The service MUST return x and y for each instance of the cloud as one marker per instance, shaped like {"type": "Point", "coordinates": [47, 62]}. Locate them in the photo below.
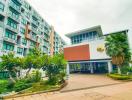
{"type": "Point", "coordinates": [71, 15]}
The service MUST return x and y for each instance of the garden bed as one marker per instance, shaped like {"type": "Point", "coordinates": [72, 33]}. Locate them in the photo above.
{"type": "Point", "coordinates": [120, 77]}
{"type": "Point", "coordinates": [37, 88]}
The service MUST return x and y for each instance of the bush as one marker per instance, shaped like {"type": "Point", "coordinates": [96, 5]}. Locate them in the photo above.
{"type": "Point", "coordinates": [119, 77]}
{"type": "Point", "coordinates": [21, 85]}
{"type": "Point", "coordinates": [3, 85]}
{"type": "Point", "coordinates": [35, 76]}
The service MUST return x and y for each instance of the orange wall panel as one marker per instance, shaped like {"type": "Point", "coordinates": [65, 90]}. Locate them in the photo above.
{"type": "Point", "coordinates": [77, 53]}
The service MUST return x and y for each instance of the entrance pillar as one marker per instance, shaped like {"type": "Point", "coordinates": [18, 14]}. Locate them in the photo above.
{"type": "Point", "coordinates": [67, 70]}
{"type": "Point", "coordinates": [91, 68]}
{"type": "Point", "coordinates": [110, 69]}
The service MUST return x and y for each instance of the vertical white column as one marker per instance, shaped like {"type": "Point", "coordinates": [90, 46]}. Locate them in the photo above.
{"type": "Point", "coordinates": [110, 69]}
{"type": "Point", "coordinates": [67, 70]}
{"type": "Point", "coordinates": [91, 68]}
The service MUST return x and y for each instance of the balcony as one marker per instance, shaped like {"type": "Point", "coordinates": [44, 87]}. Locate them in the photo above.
{"type": "Point", "coordinates": [35, 23]}
{"type": "Point", "coordinates": [1, 24]}
{"type": "Point", "coordinates": [12, 29]}
{"type": "Point", "coordinates": [19, 1]}
{"type": "Point", "coordinates": [15, 7]}
{"type": "Point", "coordinates": [7, 51]}
{"type": "Point", "coordinates": [14, 18]}
{"type": "Point", "coordinates": [9, 40]}
{"type": "Point", "coordinates": [34, 30]}
{"type": "Point", "coordinates": [46, 39]}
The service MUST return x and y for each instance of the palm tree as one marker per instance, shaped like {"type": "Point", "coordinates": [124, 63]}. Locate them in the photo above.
{"type": "Point", "coordinates": [117, 48]}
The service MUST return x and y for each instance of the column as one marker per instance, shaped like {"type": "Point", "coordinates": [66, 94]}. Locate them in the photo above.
{"type": "Point", "coordinates": [110, 69]}
{"type": "Point", "coordinates": [91, 68]}
{"type": "Point", "coordinates": [67, 70]}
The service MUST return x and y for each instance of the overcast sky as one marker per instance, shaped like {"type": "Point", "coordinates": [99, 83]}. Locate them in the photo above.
{"type": "Point", "coordinates": [72, 15]}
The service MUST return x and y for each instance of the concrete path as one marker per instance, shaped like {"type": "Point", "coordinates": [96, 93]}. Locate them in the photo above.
{"type": "Point", "coordinates": [86, 81]}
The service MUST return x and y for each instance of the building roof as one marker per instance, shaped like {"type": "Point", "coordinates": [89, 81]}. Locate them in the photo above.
{"type": "Point", "coordinates": [95, 28]}
{"type": "Point", "coordinates": [126, 30]}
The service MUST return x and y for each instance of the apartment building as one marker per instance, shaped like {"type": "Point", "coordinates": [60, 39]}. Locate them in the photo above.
{"type": "Point", "coordinates": [22, 28]}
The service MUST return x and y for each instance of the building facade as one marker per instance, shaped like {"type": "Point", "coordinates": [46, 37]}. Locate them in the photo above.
{"type": "Point", "coordinates": [22, 28]}
{"type": "Point", "coordinates": [87, 51]}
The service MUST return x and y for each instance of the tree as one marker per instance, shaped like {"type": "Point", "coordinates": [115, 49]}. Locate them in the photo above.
{"type": "Point", "coordinates": [12, 64]}
{"type": "Point", "coordinates": [55, 68]}
{"type": "Point", "coordinates": [117, 48]}
{"type": "Point", "coordinates": [35, 59]}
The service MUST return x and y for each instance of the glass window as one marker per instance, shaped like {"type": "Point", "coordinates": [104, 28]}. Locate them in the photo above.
{"type": "Point", "coordinates": [19, 50]}
{"type": "Point", "coordinates": [12, 23]}
{"type": "Point", "coordinates": [10, 35]}
{"type": "Point", "coordinates": [24, 41]}
{"type": "Point", "coordinates": [1, 7]}
{"type": "Point", "coordinates": [22, 30]}
{"type": "Point", "coordinates": [7, 46]}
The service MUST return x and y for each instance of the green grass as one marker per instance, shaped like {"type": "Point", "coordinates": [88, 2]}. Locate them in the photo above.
{"type": "Point", "coordinates": [37, 87]}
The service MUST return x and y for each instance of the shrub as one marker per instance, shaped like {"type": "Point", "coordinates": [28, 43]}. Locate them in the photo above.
{"type": "Point", "coordinates": [119, 77]}
{"type": "Point", "coordinates": [21, 85]}
{"type": "Point", "coordinates": [3, 85]}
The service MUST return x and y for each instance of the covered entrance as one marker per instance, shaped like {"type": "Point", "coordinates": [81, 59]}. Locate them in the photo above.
{"type": "Point", "coordinates": [104, 66]}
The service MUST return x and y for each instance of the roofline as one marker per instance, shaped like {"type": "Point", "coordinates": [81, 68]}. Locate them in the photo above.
{"type": "Point", "coordinates": [83, 30]}
{"type": "Point", "coordinates": [125, 30]}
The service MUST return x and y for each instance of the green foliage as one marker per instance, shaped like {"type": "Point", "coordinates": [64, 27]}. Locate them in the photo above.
{"type": "Point", "coordinates": [117, 44]}
{"type": "Point", "coordinates": [21, 85]}
{"type": "Point", "coordinates": [3, 85]}
{"type": "Point", "coordinates": [35, 60]}
{"type": "Point", "coordinates": [55, 69]}
{"type": "Point", "coordinates": [35, 76]}
{"type": "Point", "coordinates": [119, 77]}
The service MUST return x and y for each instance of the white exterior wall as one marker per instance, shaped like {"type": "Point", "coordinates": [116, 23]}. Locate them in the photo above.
{"type": "Point", "coordinates": [94, 54]}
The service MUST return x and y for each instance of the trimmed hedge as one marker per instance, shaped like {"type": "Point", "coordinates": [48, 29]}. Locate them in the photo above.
{"type": "Point", "coordinates": [119, 77]}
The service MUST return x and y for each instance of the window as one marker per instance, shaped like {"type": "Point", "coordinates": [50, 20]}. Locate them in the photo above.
{"type": "Point", "coordinates": [7, 46]}
{"type": "Point", "coordinates": [13, 14]}
{"type": "Point", "coordinates": [24, 41]}
{"type": "Point", "coordinates": [10, 35]}
{"type": "Point", "coordinates": [23, 21]}
{"type": "Point", "coordinates": [12, 24]}
{"type": "Point", "coordinates": [22, 30]}
{"type": "Point", "coordinates": [19, 50]}
{"type": "Point", "coordinates": [32, 43]}
{"type": "Point", "coordinates": [1, 7]}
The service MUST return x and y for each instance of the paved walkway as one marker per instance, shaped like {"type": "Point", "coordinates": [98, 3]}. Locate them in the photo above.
{"type": "Point", "coordinates": [86, 81]}
{"type": "Point", "coordinates": [121, 91]}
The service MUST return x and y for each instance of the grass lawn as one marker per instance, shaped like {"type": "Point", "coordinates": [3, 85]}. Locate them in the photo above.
{"type": "Point", "coordinates": [37, 87]}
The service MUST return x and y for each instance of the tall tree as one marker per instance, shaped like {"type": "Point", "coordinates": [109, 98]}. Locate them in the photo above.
{"type": "Point", "coordinates": [117, 47]}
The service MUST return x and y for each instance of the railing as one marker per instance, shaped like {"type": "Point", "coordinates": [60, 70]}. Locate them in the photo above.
{"type": "Point", "coordinates": [9, 40]}
{"type": "Point", "coordinates": [12, 29]}
{"type": "Point", "coordinates": [14, 18]}
{"type": "Point", "coordinates": [13, 5]}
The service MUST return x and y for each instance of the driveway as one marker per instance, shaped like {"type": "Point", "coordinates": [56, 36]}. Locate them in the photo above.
{"type": "Point", "coordinates": [103, 89]}
{"type": "Point", "coordinates": [87, 81]}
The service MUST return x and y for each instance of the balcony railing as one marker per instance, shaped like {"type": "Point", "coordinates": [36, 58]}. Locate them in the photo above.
{"type": "Point", "coordinates": [12, 29]}
{"type": "Point", "coordinates": [9, 40]}
{"type": "Point", "coordinates": [14, 18]}
{"type": "Point", "coordinates": [14, 6]}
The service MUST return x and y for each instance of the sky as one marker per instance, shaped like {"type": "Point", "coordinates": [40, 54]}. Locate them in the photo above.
{"type": "Point", "coordinates": [71, 15]}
